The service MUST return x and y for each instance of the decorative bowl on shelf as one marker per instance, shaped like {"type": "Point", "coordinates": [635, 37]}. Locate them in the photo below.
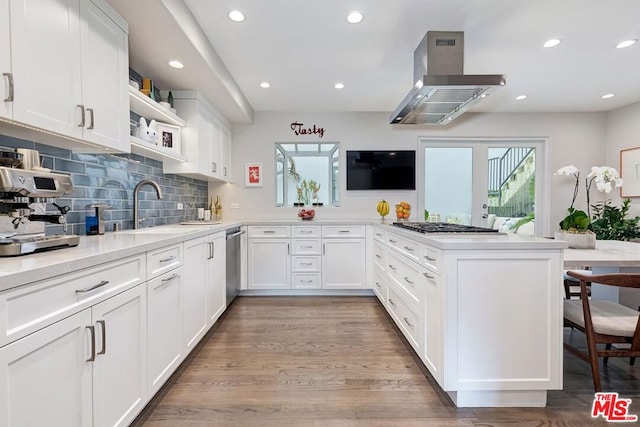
{"type": "Point", "coordinates": [306, 214]}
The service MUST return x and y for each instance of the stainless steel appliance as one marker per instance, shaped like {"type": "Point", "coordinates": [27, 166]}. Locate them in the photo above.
{"type": "Point", "coordinates": [21, 193]}
{"type": "Point", "coordinates": [443, 227]}
{"type": "Point", "coordinates": [233, 252]}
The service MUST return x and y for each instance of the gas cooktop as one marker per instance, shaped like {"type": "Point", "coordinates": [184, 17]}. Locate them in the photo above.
{"type": "Point", "coordinates": [443, 227]}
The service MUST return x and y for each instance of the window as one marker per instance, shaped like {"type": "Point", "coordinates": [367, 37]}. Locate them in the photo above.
{"type": "Point", "coordinates": [307, 173]}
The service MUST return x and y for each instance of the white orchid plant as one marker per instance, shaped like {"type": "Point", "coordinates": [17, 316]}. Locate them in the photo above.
{"type": "Point", "coordinates": [606, 179]}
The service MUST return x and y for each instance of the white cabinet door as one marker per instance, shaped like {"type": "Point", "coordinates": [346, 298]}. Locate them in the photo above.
{"type": "Point", "coordinates": [205, 162]}
{"type": "Point", "coordinates": [225, 152]}
{"type": "Point", "coordinates": [5, 61]}
{"type": "Point", "coordinates": [194, 291]}
{"type": "Point", "coordinates": [269, 264]}
{"type": "Point", "coordinates": [343, 264]}
{"type": "Point", "coordinates": [105, 78]}
{"type": "Point", "coordinates": [433, 326]}
{"type": "Point", "coordinates": [45, 51]}
{"type": "Point", "coordinates": [216, 282]}
{"type": "Point", "coordinates": [214, 146]}
{"type": "Point", "coordinates": [120, 368]}
{"type": "Point", "coordinates": [45, 377]}
{"type": "Point", "coordinates": [164, 328]}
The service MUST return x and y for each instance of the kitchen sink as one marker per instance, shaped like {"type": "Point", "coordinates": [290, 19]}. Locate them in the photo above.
{"type": "Point", "coordinates": [160, 230]}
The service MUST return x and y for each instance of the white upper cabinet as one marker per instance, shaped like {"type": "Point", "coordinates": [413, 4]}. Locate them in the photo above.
{"type": "Point", "coordinates": [202, 140]}
{"type": "Point", "coordinates": [68, 72]}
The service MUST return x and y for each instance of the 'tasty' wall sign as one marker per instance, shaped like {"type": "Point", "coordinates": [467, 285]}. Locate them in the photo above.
{"type": "Point", "coordinates": [300, 129]}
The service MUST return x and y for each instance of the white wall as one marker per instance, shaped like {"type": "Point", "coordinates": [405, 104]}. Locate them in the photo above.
{"type": "Point", "coordinates": [577, 139]}
{"type": "Point", "coordinates": [623, 131]}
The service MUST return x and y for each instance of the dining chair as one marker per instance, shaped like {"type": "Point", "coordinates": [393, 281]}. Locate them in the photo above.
{"type": "Point", "coordinates": [603, 322]}
{"type": "Point", "coordinates": [572, 285]}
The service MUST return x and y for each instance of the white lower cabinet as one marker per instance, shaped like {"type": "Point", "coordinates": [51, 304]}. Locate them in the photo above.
{"type": "Point", "coordinates": [344, 263]}
{"type": "Point", "coordinates": [269, 264]}
{"type": "Point", "coordinates": [87, 369]}
{"type": "Point", "coordinates": [165, 347]}
{"type": "Point", "coordinates": [194, 291]}
{"type": "Point", "coordinates": [432, 353]}
{"type": "Point", "coordinates": [216, 278]}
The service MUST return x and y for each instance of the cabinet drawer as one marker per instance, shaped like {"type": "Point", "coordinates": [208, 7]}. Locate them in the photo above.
{"type": "Point", "coordinates": [305, 263]}
{"type": "Point", "coordinates": [29, 308]}
{"type": "Point", "coordinates": [413, 250]}
{"type": "Point", "coordinates": [164, 259]}
{"type": "Point", "coordinates": [432, 258]}
{"type": "Point", "coordinates": [305, 231]}
{"type": "Point", "coordinates": [256, 231]}
{"type": "Point", "coordinates": [305, 247]}
{"type": "Point", "coordinates": [379, 235]}
{"type": "Point", "coordinates": [343, 230]}
{"type": "Point", "coordinates": [379, 256]}
{"type": "Point", "coordinates": [380, 285]}
{"type": "Point", "coordinates": [306, 281]}
{"type": "Point", "coordinates": [407, 319]}
{"type": "Point", "coordinates": [410, 279]}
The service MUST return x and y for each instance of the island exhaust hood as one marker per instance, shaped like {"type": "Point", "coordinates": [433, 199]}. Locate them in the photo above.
{"type": "Point", "coordinates": [441, 91]}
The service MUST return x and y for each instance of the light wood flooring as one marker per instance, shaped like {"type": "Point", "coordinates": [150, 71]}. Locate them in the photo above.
{"type": "Point", "coordinates": [339, 361]}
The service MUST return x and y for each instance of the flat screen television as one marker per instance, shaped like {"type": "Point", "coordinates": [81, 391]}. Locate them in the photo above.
{"type": "Point", "coordinates": [381, 170]}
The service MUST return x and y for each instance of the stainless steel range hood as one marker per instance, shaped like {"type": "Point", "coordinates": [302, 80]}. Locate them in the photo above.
{"type": "Point", "coordinates": [441, 91]}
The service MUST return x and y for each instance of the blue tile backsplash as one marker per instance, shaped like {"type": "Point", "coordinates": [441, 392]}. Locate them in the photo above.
{"type": "Point", "coordinates": [110, 179]}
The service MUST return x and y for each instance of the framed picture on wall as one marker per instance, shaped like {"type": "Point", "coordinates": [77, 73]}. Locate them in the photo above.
{"type": "Point", "coordinates": [253, 174]}
{"type": "Point", "coordinates": [168, 136]}
{"type": "Point", "coordinates": [630, 172]}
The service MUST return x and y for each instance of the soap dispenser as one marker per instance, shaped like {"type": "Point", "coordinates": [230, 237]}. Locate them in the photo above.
{"type": "Point", "coordinates": [94, 219]}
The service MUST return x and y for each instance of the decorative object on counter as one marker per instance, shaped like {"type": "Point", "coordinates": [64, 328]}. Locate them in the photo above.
{"type": "Point", "coordinates": [168, 136]}
{"type": "Point", "coordinates": [611, 222]}
{"type": "Point", "coordinates": [149, 132]}
{"type": "Point", "coordinates": [403, 211]}
{"type": "Point", "coordinates": [147, 87]}
{"type": "Point", "coordinates": [253, 174]}
{"type": "Point", "coordinates": [216, 208]}
{"type": "Point", "coordinates": [383, 209]}
{"type": "Point", "coordinates": [302, 190]}
{"type": "Point", "coordinates": [306, 214]}
{"type": "Point", "coordinates": [630, 172]}
{"type": "Point", "coordinates": [574, 228]}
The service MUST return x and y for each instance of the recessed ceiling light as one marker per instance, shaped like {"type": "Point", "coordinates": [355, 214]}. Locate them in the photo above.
{"type": "Point", "coordinates": [354, 17]}
{"type": "Point", "coordinates": [339, 86]}
{"type": "Point", "coordinates": [521, 97]}
{"type": "Point", "coordinates": [609, 95]}
{"type": "Point", "coordinates": [236, 15]}
{"type": "Point", "coordinates": [626, 43]}
{"type": "Point", "coordinates": [552, 43]}
{"type": "Point", "coordinates": [265, 85]}
{"type": "Point", "coordinates": [176, 64]}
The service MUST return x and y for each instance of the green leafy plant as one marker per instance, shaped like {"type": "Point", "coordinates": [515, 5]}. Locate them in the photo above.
{"type": "Point", "coordinates": [611, 222]}
{"type": "Point", "coordinates": [522, 221]}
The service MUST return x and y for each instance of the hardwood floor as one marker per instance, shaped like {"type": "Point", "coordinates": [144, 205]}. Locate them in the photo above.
{"type": "Point", "coordinates": [339, 361]}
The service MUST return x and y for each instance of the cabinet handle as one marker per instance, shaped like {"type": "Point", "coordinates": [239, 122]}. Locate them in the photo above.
{"type": "Point", "coordinates": [428, 258]}
{"type": "Point", "coordinates": [306, 232]}
{"type": "Point", "coordinates": [288, 248]}
{"type": "Point", "coordinates": [9, 77]}
{"type": "Point", "coordinates": [81, 125]}
{"type": "Point", "coordinates": [307, 281]}
{"type": "Point", "coordinates": [344, 231]}
{"type": "Point", "coordinates": [392, 267]}
{"type": "Point", "coordinates": [323, 246]}
{"type": "Point", "coordinates": [171, 258]}
{"type": "Point", "coordinates": [213, 250]}
{"type": "Point", "coordinates": [379, 234]}
{"type": "Point", "coordinates": [393, 241]}
{"type": "Point", "coordinates": [91, 288]}
{"type": "Point", "coordinates": [168, 279]}
{"type": "Point", "coordinates": [407, 322]}
{"type": "Point", "coordinates": [409, 249]}
{"type": "Point", "coordinates": [307, 247]}
{"type": "Point", "coordinates": [90, 110]}
{"type": "Point", "coordinates": [269, 232]}
{"type": "Point", "coordinates": [225, 170]}
{"type": "Point", "coordinates": [93, 343]}
{"type": "Point", "coordinates": [378, 256]}
{"type": "Point", "coordinates": [306, 263]}
{"type": "Point", "coordinates": [406, 279]}
{"type": "Point", "coordinates": [214, 167]}
{"type": "Point", "coordinates": [391, 302]}
{"type": "Point", "coordinates": [428, 276]}
{"type": "Point", "coordinates": [378, 285]}
{"type": "Point", "coordinates": [104, 336]}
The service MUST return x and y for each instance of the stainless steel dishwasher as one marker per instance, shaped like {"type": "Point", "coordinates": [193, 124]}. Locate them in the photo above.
{"type": "Point", "coordinates": [233, 262]}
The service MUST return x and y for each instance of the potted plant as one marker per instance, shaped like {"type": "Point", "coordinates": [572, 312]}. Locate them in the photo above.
{"type": "Point", "coordinates": [611, 222]}
{"type": "Point", "coordinates": [574, 228]}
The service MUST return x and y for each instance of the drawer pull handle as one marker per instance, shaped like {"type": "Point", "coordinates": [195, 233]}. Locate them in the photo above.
{"type": "Point", "coordinates": [168, 279]}
{"type": "Point", "coordinates": [379, 234]}
{"type": "Point", "coordinates": [408, 281]}
{"type": "Point", "coordinates": [409, 249]}
{"type": "Point", "coordinates": [307, 247]}
{"type": "Point", "coordinates": [91, 115]}
{"type": "Point", "coordinates": [407, 322]}
{"type": "Point", "coordinates": [378, 285]}
{"type": "Point", "coordinates": [378, 256]}
{"type": "Point", "coordinates": [269, 232]}
{"type": "Point", "coordinates": [428, 258]}
{"type": "Point", "coordinates": [306, 263]}
{"type": "Point", "coordinates": [344, 231]}
{"type": "Point", "coordinates": [391, 302]}
{"type": "Point", "coordinates": [9, 77]}
{"type": "Point", "coordinates": [81, 107]}
{"type": "Point", "coordinates": [428, 276]}
{"type": "Point", "coordinates": [393, 241]}
{"type": "Point", "coordinates": [91, 288]}
{"type": "Point", "coordinates": [306, 232]}
{"type": "Point", "coordinates": [104, 336]}
{"type": "Point", "coordinates": [171, 258]}
{"type": "Point", "coordinates": [307, 281]}
{"type": "Point", "coordinates": [392, 267]}
{"type": "Point", "coordinates": [93, 343]}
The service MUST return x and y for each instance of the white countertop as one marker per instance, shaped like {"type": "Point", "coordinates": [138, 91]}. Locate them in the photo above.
{"type": "Point", "coordinates": [608, 253]}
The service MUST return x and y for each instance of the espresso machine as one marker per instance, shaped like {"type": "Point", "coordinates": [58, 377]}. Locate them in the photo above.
{"type": "Point", "coordinates": [24, 194]}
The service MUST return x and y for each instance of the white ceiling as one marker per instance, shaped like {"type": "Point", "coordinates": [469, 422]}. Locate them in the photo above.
{"type": "Point", "coordinates": [303, 47]}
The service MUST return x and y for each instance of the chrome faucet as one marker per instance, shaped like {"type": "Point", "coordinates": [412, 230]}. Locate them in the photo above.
{"type": "Point", "coordinates": [136, 190]}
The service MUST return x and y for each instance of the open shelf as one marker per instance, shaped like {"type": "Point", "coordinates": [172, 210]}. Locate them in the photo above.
{"type": "Point", "coordinates": [157, 152]}
{"type": "Point", "coordinates": [141, 104]}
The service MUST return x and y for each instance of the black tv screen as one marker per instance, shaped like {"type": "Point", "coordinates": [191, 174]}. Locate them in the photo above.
{"type": "Point", "coordinates": [381, 170]}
